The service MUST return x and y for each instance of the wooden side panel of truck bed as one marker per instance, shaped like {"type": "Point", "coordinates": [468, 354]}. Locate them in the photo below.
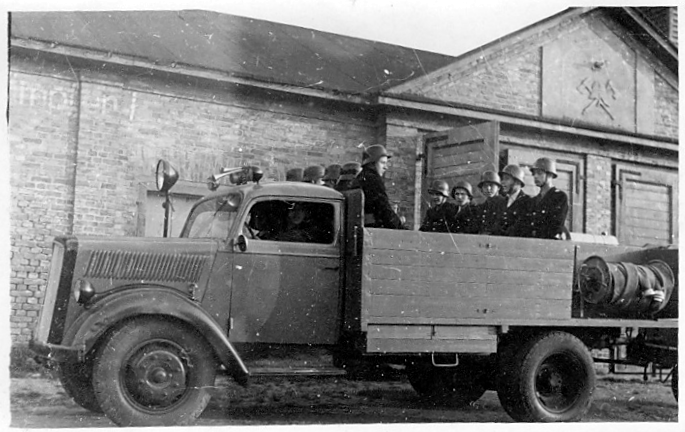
{"type": "Point", "coordinates": [412, 280]}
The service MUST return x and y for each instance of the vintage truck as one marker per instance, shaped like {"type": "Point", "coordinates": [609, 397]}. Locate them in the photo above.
{"type": "Point", "coordinates": [141, 326]}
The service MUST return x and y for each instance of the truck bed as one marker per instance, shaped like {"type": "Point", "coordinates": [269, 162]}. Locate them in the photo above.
{"type": "Point", "coordinates": [434, 292]}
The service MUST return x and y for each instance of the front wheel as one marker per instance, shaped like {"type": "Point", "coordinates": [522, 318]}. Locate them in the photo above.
{"type": "Point", "coordinates": [77, 380]}
{"type": "Point", "coordinates": [674, 382]}
{"type": "Point", "coordinates": [152, 372]}
{"type": "Point", "coordinates": [551, 378]}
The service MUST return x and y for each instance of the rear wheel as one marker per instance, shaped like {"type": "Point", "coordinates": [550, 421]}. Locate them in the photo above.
{"type": "Point", "coordinates": [457, 386]}
{"type": "Point", "coordinates": [77, 380]}
{"type": "Point", "coordinates": [152, 372]}
{"type": "Point", "coordinates": [551, 378]}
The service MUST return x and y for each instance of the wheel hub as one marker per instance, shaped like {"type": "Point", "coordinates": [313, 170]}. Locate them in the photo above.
{"type": "Point", "coordinates": [157, 377]}
{"type": "Point", "coordinates": [555, 388]}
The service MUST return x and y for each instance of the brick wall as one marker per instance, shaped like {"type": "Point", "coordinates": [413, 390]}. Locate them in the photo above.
{"type": "Point", "coordinates": [507, 82]}
{"type": "Point", "coordinates": [598, 195]}
{"type": "Point", "coordinates": [42, 151]}
{"type": "Point", "coordinates": [666, 118]}
{"type": "Point", "coordinates": [77, 162]}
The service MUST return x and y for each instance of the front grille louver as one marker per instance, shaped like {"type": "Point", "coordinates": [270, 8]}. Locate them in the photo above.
{"type": "Point", "coordinates": [158, 267]}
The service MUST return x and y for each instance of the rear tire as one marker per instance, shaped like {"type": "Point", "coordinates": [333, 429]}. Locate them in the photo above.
{"type": "Point", "coordinates": [152, 372]}
{"type": "Point", "coordinates": [77, 380]}
{"type": "Point", "coordinates": [551, 378]}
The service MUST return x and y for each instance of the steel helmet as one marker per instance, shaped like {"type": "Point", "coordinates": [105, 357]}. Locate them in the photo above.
{"type": "Point", "coordinates": [294, 174]}
{"type": "Point", "coordinates": [350, 170]}
{"type": "Point", "coordinates": [373, 153]}
{"type": "Point", "coordinates": [489, 177]}
{"type": "Point", "coordinates": [332, 172]}
{"type": "Point", "coordinates": [313, 173]}
{"type": "Point", "coordinates": [462, 184]}
{"type": "Point", "coordinates": [439, 186]}
{"type": "Point", "coordinates": [515, 171]}
{"type": "Point", "coordinates": [545, 164]}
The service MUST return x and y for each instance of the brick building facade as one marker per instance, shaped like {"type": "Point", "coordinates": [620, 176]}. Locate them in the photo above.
{"type": "Point", "coordinates": [87, 126]}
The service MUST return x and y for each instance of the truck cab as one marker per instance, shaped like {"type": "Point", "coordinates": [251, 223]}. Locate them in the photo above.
{"type": "Point", "coordinates": [256, 265]}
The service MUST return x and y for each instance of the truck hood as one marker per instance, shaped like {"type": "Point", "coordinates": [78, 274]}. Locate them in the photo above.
{"type": "Point", "coordinates": [109, 262]}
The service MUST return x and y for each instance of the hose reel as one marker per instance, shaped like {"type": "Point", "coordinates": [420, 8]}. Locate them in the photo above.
{"type": "Point", "coordinates": [625, 287]}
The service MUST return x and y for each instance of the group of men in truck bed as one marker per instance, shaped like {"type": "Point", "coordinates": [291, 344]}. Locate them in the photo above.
{"type": "Point", "coordinates": [505, 209]}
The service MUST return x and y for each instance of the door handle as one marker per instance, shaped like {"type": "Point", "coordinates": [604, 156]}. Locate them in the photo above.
{"type": "Point", "coordinates": [332, 268]}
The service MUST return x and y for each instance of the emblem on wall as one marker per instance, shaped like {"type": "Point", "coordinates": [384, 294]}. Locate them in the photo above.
{"type": "Point", "coordinates": [599, 90]}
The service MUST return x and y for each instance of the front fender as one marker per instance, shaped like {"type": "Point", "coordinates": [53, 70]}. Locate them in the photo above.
{"type": "Point", "coordinates": [153, 300]}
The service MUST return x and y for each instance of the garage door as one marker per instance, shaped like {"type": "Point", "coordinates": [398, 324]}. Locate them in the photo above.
{"type": "Point", "coordinates": [646, 205]}
{"type": "Point", "coordinates": [462, 153]}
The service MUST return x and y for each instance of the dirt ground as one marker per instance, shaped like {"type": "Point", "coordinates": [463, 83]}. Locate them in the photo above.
{"type": "Point", "coordinates": [40, 402]}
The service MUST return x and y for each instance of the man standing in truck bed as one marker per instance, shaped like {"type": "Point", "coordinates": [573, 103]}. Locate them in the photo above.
{"type": "Point", "coordinates": [513, 222]}
{"type": "Point", "coordinates": [377, 210]}
{"type": "Point", "coordinates": [550, 207]}
{"type": "Point", "coordinates": [438, 217]}
{"type": "Point", "coordinates": [463, 220]}
{"type": "Point", "coordinates": [490, 211]}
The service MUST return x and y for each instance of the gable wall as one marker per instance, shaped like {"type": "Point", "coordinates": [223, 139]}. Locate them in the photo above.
{"type": "Point", "coordinates": [542, 76]}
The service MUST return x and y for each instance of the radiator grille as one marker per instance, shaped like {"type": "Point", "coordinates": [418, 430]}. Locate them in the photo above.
{"type": "Point", "coordinates": [160, 267]}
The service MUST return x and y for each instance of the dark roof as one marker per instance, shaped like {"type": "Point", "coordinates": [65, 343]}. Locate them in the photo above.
{"type": "Point", "coordinates": [244, 47]}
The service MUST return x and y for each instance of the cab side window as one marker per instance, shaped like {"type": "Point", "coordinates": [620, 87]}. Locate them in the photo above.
{"type": "Point", "coordinates": [291, 221]}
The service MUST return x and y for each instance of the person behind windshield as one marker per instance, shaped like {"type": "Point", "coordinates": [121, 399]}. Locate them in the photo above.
{"type": "Point", "coordinates": [298, 225]}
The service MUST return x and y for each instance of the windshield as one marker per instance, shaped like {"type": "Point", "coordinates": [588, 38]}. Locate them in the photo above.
{"type": "Point", "coordinates": [213, 218]}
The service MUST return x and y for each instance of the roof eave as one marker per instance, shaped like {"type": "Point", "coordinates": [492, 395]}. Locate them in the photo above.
{"type": "Point", "coordinates": [661, 47]}
{"type": "Point", "coordinates": [185, 69]}
{"type": "Point", "coordinates": [408, 101]}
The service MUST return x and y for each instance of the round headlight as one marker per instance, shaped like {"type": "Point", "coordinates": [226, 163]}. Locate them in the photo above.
{"type": "Point", "coordinates": [82, 291]}
{"type": "Point", "coordinates": [165, 176]}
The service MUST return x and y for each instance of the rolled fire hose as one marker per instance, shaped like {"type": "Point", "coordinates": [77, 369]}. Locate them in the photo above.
{"type": "Point", "coordinates": [626, 287]}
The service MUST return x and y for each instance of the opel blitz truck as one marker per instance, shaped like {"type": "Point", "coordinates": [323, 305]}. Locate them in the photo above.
{"type": "Point", "coordinates": [140, 326]}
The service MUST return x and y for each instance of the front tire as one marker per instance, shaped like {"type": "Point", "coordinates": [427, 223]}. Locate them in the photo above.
{"type": "Point", "coordinates": [551, 378]}
{"type": "Point", "coordinates": [153, 372]}
{"type": "Point", "coordinates": [77, 380]}
{"type": "Point", "coordinates": [674, 382]}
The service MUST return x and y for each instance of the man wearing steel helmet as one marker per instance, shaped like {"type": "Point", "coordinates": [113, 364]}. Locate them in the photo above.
{"type": "Point", "coordinates": [514, 220]}
{"type": "Point", "coordinates": [294, 174]}
{"type": "Point", "coordinates": [314, 174]}
{"type": "Point", "coordinates": [490, 211]}
{"type": "Point", "coordinates": [377, 210]}
{"type": "Point", "coordinates": [550, 207]}
{"type": "Point", "coordinates": [331, 175]}
{"type": "Point", "coordinates": [348, 176]}
{"type": "Point", "coordinates": [462, 220]}
{"type": "Point", "coordinates": [439, 214]}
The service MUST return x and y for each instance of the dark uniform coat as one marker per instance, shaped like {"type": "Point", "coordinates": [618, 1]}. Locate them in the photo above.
{"type": "Point", "coordinates": [438, 218]}
{"type": "Point", "coordinates": [345, 185]}
{"type": "Point", "coordinates": [548, 214]}
{"type": "Point", "coordinates": [488, 214]}
{"type": "Point", "coordinates": [463, 219]}
{"type": "Point", "coordinates": [376, 203]}
{"type": "Point", "coordinates": [514, 220]}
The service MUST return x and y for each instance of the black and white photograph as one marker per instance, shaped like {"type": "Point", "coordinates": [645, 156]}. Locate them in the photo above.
{"type": "Point", "coordinates": [352, 213]}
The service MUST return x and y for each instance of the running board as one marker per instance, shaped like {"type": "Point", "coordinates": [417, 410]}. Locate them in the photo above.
{"type": "Point", "coordinates": [313, 372]}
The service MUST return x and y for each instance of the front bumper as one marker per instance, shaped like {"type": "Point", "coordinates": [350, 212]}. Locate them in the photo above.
{"type": "Point", "coordinates": [58, 353]}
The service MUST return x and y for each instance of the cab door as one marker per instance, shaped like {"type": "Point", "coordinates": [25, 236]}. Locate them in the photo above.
{"type": "Point", "coordinates": [287, 292]}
